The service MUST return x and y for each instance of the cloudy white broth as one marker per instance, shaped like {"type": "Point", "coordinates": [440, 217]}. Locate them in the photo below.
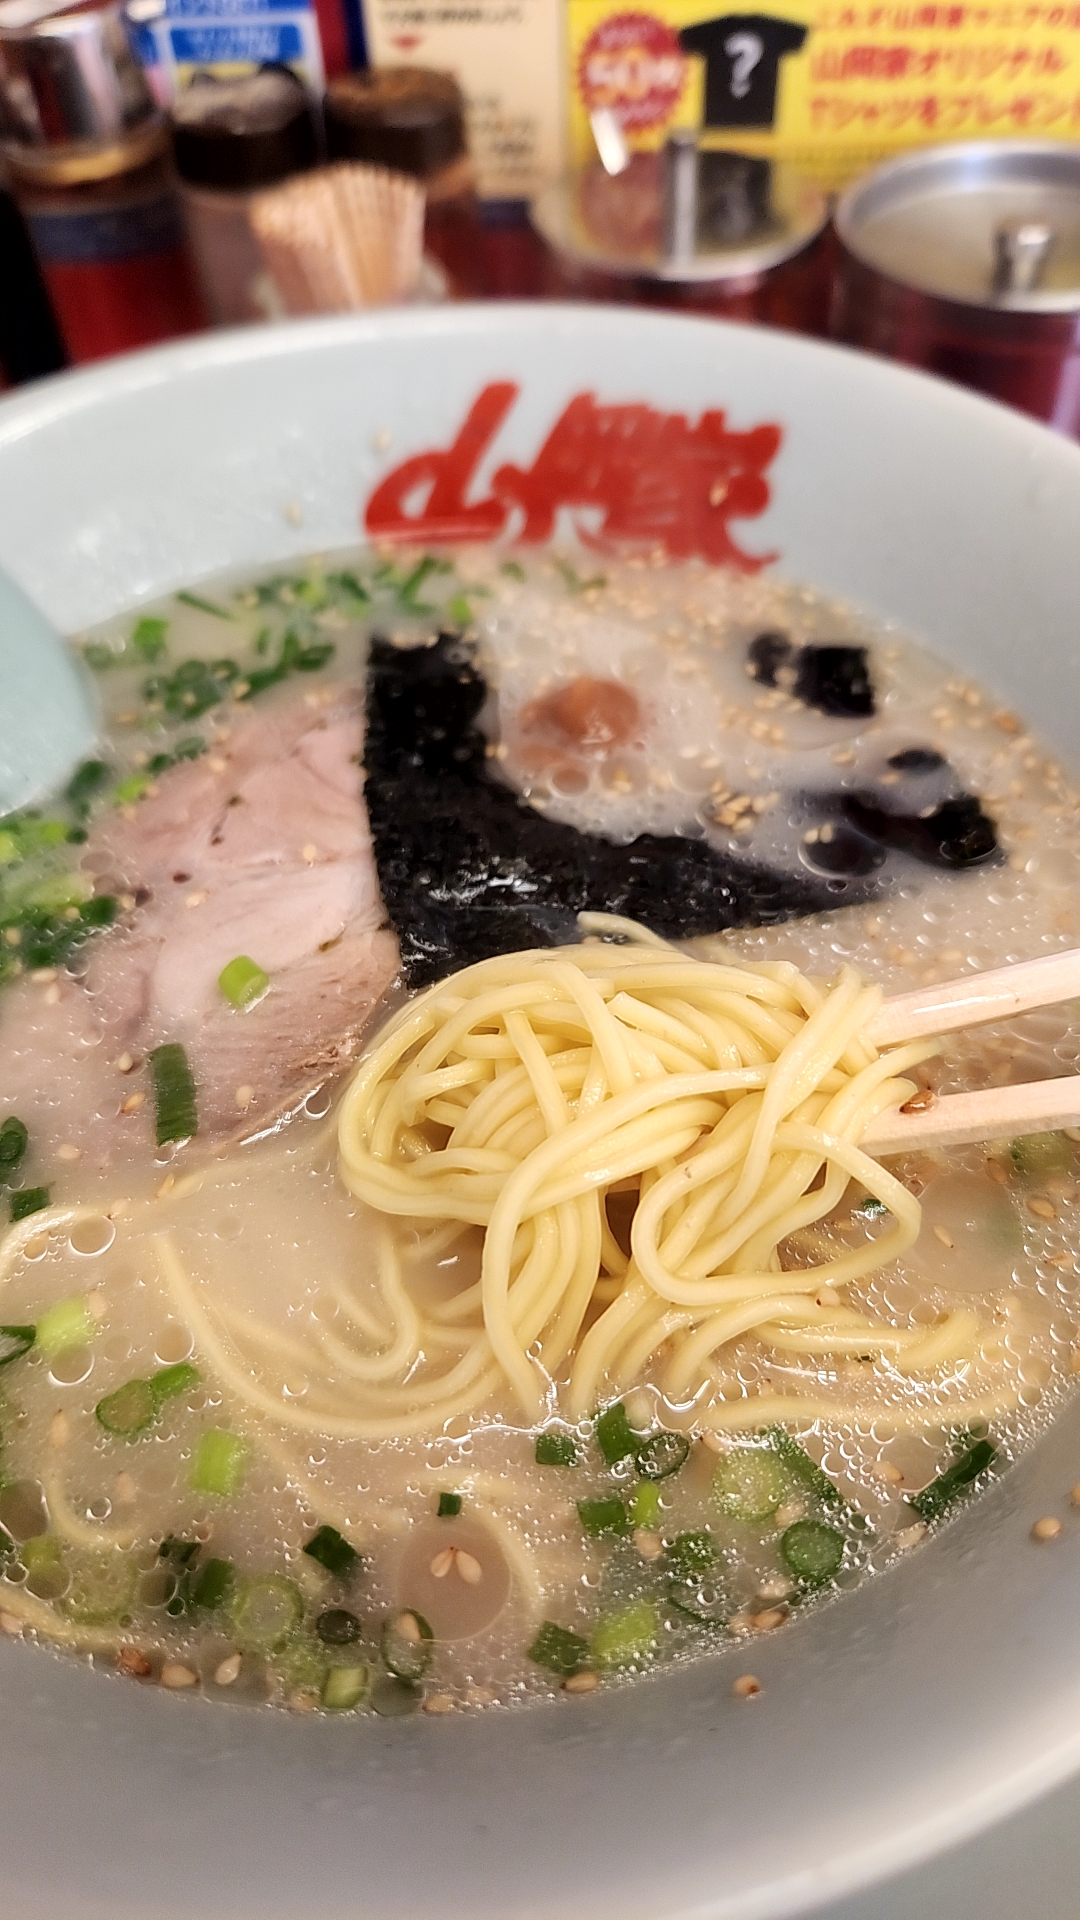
{"type": "Point", "coordinates": [426, 1286]}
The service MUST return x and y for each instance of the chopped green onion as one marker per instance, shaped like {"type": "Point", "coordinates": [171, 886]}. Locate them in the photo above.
{"type": "Point", "coordinates": [700, 1597]}
{"type": "Point", "coordinates": [189, 749]}
{"type": "Point", "coordinates": [66, 1324]}
{"type": "Point", "coordinates": [626, 1638]}
{"type": "Point", "coordinates": [449, 1506]}
{"type": "Point", "coordinates": [174, 1094]}
{"type": "Point", "coordinates": [512, 570]}
{"type": "Point", "coordinates": [801, 1468]}
{"type": "Point", "coordinates": [615, 1435]}
{"type": "Point", "coordinates": [344, 1688]}
{"type": "Point", "coordinates": [43, 1558]}
{"type": "Point", "coordinates": [243, 981]}
{"type": "Point", "coordinates": [14, 1342]}
{"type": "Point", "coordinates": [148, 637]}
{"type": "Point", "coordinates": [219, 1462]}
{"type": "Point", "coordinates": [870, 1207]}
{"type": "Point", "coordinates": [129, 1411]}
{"type": "Point", "coordinates": [411, 585]}
{"type": "Point", "coordinates": [337, 1627]}
{"type": "Point", "coordinates": [645, 1505]}
{"type": "Point", "coordinates": [691, 1553]}
{"type": "Point", "coordinates": [28, 1200]}
{"type": "Point", "coordinates": [131, 789]}
{"type": "Point", "coordinates": [85, 782]}
{"type": "Point", "coordinates": [558, 1649]}
{"type": "Point", "coordinates": [812, 1551]}
{"type": "Point", "coordinates": [134, 1407]}
{"type": "Point", "coordinates": [13, 1144]}
{"type": "Point", "coordinates": [205, 606]}
{"type": "Point", "coordinates": [556, 1450]}
{"type": "Point", "coordinates": [266, 1613]}
{"type": "Point", "coordinates": [932, 1501]}
{"type": "Point", "coordinates": [751, 1483]}
{"type": "Point", "coordinates": [102, 1588]}
{"type": "Point", "coordinates": [214, 1585]}
{"type": "Point", "coordinates": [1036, 1156]}
{"type": "Point", "coordinates": [168, 1382]}
{"type": "Point", "coordinates": [603, 1516]}
{"type": "Point", "coordinates": [459, 610]}
{"type": "Point", "coordinates": [332, 1551]}
{"type": "Point", "coordinates": [406, 1645]}
{"type": "Point", "coordinates": [661, 1454]}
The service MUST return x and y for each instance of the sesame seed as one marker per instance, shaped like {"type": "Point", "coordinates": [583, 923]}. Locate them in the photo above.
{"type": "Point", "coordinates": [68, 1151]}
{"type": "Point", "coordinates": [125, 1063]}
{"type": "Point", "coordinates": [196, 899]}
{"type": "Point", "coordinates": [439, 1703]}
{"type": "Point", "coordinates": [126, 1491]}
{"type": "Point", "coordinates": [946, 1239]}
{"type": "Point", "coordinates": [1042, 1209]}
{"type": "Point", "coordinates": [51, 996]}
{"type": "Point", "coordinates": [132, 1660]}
{"type": "Point", "coordinates": [776, 1588]}
{"type": "Point", "coordinates": [909, 1537]}
{"type": "Point", "coordinates": [649, 1545]}
{"type": "Point", "coordinates": [997, 1172]}
{"type": "Point", "coordinates": [133, 1102]}
{"type": "Point", "coordinates": [1046, 1529]}
{"type": "Point", "coordinates": [884, 1470]}
{"type": "Point", "coordinates": [791, 1511]}
{"type": "Point", "coordinates": [166, 1186]}
{"type": "Point", "coordinates": [407, 1626]}
{"type": "Point", "coordinates": [584, 1682]}
{"type": "Point", "coordinates": [304, 1700]}
{"type": "Point", "coordinates": [175, 1675]}
{"type": "Point", "coordinates": [481, 1697]}
{"type": "Point", "coordinates": [41, 976]}
{"type": "Point", "coordinates": [59, 1430]}
{"type": "Point", "coordinates": [746, 1686]}
{"type": "Point", "coordinates": [310, 852]}
{"type": "Point", "coordinates": [229, 1670]}
{"type": "Point", "coordinates": [766, 1621]}
{"type": "Point", "coordinates": [442, 1563]}
{"type": "Point", "coordinates": [244, 1096]}
{"type": "Point", "coordinates": [468, 1567]}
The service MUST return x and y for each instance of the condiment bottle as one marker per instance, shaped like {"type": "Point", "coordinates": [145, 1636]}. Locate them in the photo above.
{"type": "Point", "coordinates": [700, 229]}
{"type": "Point", "coordinates": [231, 138]}
{"type": "Point", "coordinates": [965, 260]}
{"type": "Point", "coordinates": [30, 343]}
{"type": "Point", "coordinates": [88, 158]}
{"type": "Point", "coordinates": [412, 120]}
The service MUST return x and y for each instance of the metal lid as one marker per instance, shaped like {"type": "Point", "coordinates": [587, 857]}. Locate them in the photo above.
{"type": "Point", "coordinates": [410, 119]}
{"type": "Point", "coordinates": [992, 224]}
{"type": "Point", "coordinates": [71, 86]}
{"type": "Point", "coordinates": [244, 132]}
{"type": "Point", "coordinates": [685, 214]}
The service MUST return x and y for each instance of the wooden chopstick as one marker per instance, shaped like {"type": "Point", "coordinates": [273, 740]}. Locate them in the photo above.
{"type": "Point", "coordinates": [996, 995]}
{"type": "Point", "coordinates": [991, 1113]}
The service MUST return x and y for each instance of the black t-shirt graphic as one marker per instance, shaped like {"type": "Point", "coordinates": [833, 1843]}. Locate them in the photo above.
{"type": "Point", "coordinates": [742, 53]}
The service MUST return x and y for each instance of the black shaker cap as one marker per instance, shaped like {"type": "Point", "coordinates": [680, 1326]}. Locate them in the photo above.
{"type": "Point", "coordinates": [409, 119]}
{"type": "Point", "coordinates": [243, 133]}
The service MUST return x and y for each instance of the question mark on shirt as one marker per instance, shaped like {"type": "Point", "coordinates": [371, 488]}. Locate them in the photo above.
{"type": "Point", "coordinates": [745, 51]}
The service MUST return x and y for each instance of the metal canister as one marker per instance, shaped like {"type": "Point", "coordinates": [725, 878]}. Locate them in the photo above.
{"type": "Point", "coordinates": [695, 228]}
{"type": "Point", "coordinates": [87, 153]}
{"type": "Point", "coordinates": [965, 260]}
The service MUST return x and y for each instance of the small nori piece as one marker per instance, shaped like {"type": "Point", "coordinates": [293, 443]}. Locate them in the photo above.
{"type": "Point", "coordinates": [767, 653]}
{"type": "Point", "coordinates": [957, 834]}
{"type": "Point", "coordinates": [916, 760]}
{"type": "Point", "coordinates": [835, 680]}
{"type": "Point", "coordinates": [468, 869]}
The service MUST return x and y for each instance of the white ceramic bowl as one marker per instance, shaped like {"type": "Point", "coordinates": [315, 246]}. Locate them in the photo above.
{"type": "Point", "coordinates": [931, 1701]}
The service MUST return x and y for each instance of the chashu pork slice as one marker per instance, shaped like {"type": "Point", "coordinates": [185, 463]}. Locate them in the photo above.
{"type": "Point", "coordinates": [261, 848]}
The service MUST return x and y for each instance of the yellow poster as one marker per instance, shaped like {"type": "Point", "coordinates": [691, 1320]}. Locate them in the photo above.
{"type": "Point", "coordinates": [832, 85]}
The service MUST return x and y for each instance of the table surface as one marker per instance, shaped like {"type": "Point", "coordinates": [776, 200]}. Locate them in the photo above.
{"type": "Point", "coordinates": [1026, 1866]}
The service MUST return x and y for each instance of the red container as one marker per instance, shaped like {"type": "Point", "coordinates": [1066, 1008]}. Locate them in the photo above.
{"type": "Point", "coordinates": [965, 260]}
{"type": "Point", "coordinates": [753, 246]}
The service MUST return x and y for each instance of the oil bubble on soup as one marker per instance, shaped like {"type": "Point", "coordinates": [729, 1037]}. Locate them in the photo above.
{"type": "Point", "coordinates": [271, 1436]}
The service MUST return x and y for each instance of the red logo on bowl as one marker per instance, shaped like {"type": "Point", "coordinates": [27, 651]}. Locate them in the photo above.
{"type": "Point", "coordinates": [630, 476]}
{"type": "Point", "coordinates": [632, 64]}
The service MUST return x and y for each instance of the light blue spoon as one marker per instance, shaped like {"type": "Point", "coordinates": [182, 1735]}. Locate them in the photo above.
{"type": "Point", "coordinates": [46, 712]}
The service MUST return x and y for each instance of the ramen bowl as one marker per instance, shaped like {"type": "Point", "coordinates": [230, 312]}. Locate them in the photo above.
{"type": "Point", "coordinates": [890, 1723]}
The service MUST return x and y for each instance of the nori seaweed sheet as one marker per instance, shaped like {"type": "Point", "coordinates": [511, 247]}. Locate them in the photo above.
{"type": "Point", "coordinates": [467, 869]}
